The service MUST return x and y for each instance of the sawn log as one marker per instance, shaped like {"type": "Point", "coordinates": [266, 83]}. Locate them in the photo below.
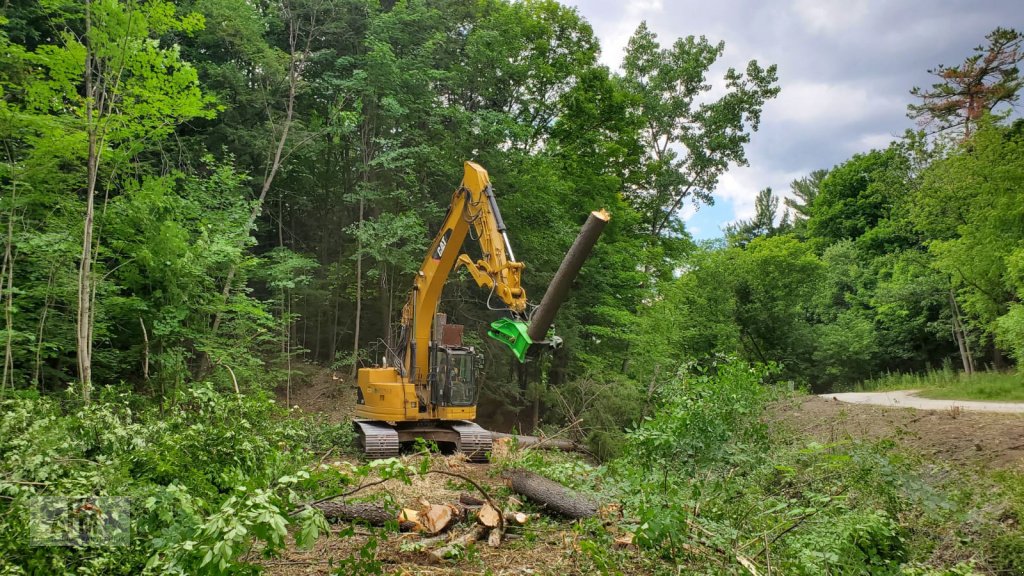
{"type": "Point", "coordinates": [539, 443]}
{"type": "Point", "coordinates": [544, 315]}
{"type": "Point", "coordinates": [551, 494]}
{"type": "Point", "coordinates": [373, 514]}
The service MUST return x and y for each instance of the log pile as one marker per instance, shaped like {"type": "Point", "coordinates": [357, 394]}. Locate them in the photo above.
{"type": "Point", "coordinates": [436, 523]}
{"type": "Point", "coordinates": [433, 520]}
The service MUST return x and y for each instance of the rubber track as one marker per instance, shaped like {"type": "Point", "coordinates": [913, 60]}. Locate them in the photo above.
{"type": "Point", "coordinates": [377, 440]}
{"type": "Point", "coordinates": [474, 441]}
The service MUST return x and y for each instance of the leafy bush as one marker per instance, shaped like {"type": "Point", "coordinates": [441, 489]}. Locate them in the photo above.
{"type": "Point", "coordinates": [700, 417]}
{"type": "Point", "coordinates": [205, 479]}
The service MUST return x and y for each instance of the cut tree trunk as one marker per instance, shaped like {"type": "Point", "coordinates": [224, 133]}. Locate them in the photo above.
{"type": "Point", "coordinates": [436, 518]}
{"type": "Point", "coordinates": [373, 514]}
{"type": "Point", "coordinates": [539, 443]}
{"type": "Point", "coordinates": [551, 494]}
{"type": "Point", "coordinates": [489, 516]}
{"type": "Point", "coordinates": [558, 289]}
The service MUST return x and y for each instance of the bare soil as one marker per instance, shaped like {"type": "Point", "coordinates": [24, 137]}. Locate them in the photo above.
{"type": "Point", "coordinates": [321, 391]}
{"type": "Point", "coordinates": [988, 440]}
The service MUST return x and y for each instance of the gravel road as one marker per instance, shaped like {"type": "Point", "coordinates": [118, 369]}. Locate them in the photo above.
{"type": "Point", "coordinates": [907, 399]}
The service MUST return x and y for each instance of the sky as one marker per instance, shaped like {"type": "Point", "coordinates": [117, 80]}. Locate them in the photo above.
{"type": "Point", "coordinates": [846, 68]}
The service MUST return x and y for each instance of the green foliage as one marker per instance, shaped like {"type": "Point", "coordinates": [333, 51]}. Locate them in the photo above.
{"type": "Point", "coordinates": [857, 195]}
{"type": "Point", "coordinates": [975, 220]}
{"type": "Point", "coordinates": [711, 135]}
{"type": "Point", "coordinates": [707, 488]}
{"type": "Point", "coordinates": [206, 477]}
{"type": "Point", "coordinates": [949, 384]}
{"type": "Point", "coordinates": [698, 417]}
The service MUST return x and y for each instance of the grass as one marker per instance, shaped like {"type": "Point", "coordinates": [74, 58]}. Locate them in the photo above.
{"type": "Point", "coordinates": [949, 384]}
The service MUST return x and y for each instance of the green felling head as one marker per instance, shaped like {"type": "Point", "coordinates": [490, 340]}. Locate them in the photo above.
{"type": "Point", "coordinates": [511, 333]}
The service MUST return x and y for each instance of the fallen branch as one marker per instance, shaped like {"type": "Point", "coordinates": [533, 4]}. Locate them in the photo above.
{"type": "Point", "coordinates": [458, 545]}
{"type": "Point", "coordinates": [316, 503]}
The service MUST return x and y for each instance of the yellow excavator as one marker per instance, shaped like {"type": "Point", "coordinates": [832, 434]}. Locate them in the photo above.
{"type": "Point", "coordinates": [427, 387]}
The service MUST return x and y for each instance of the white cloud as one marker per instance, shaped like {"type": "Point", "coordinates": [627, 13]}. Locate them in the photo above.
{"type": "Point", "coordinates": [845, 69]}
{"type": "Point", "coordinates": [831, 16]}
{"type": "Point", "coordinates": [811, 102]}
{"type": "Point", "coordinates": [878, 140]}
{"type": "Point", "coordinates": [741, 185]}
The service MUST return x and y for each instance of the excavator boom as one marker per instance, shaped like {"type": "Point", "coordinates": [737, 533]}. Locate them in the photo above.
{"type": "Point", "coordinates": [430, 390]}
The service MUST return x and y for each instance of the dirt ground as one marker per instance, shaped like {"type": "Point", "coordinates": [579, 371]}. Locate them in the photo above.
{"type": "Point", "coordinates": [969, 438]}
{"type": "Point", "coordinates": [321, 391]}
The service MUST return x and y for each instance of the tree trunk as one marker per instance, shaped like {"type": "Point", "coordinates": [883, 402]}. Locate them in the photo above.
{"type": "Point", "coordinates": [544, 315]}
{"type": "Point", "coordinates": [37, 378]}
{"type": "Point", "coordinates": [274, 165]}
{"type": "Point", "coordinates": [960, 335]}
{"type": "Point", "coordinates": [8, 275]}
{"type": "Point", "coordinates": [539, 443]}
{"type": "Point", "coordinates": [332, 351]}
{"type": "Point", "coordinates": [551, 494]}
{"type": "Point", "coordinates": [83, 332]}
{"type": "Point", "coordinates": [359, 292]}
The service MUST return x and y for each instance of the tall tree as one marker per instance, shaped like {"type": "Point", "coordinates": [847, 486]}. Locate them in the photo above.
{"type": "Point", "coordinates": [966, 92]}
{"type": "Point", "coordinates": [766, 214]}
{"type": "Point", "coordinates": [688, 144]}
{"type": "Point", "coordinates": [804, 190]}
{"type": "Point", "coordinates": [122, 91]}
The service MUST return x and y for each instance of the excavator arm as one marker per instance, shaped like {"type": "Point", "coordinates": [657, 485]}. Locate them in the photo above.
{"type": "Point", "coordinates": [430, 389]}
{"type": "Point", "coordinates": [472, 207]}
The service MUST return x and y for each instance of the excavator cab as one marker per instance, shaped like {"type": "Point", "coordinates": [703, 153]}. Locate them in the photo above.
{"type": "Point", "coordinates": [453, 378]}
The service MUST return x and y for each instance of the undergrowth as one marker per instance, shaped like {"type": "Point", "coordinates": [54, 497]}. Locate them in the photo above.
{"type": "Point", "coordinates": [209, 482]}
{"type": "Point", "coordinates": [707, 488]}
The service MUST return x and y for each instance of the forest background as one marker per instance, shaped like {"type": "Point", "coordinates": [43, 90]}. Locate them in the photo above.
{"type": "Point", "coordinates": [200, 199]}
{"type": "Point", "coordinates": [215, 190]}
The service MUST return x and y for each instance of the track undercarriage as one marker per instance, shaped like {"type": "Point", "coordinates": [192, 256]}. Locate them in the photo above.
{"type": "Point", "coordinates": [382, 440]}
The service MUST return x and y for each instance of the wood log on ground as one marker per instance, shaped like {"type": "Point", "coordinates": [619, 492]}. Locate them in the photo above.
{"type": "Point", "coordinates": [470, 501]}
{"type": "Point", "coordinates": [551, 494]}
{"type": "Point", "coordinates": [544, 314]}
{"type": "Point", "coordinates": [458, 545]}
{"type": "Point", "coordinates": [373, 514]}
{"type": "Point", "coordinates": [517, 518]}
{"type": "Point", "coordinates": [436, 518]}
{"type": "Point", "coordinates": [539, 443]}
{"type": "Point", "coordinates": [488, 516]}
{"type": "Point", "coordinates": [409, 520]}
{"type": "Point", "coordinates": [495, 536]}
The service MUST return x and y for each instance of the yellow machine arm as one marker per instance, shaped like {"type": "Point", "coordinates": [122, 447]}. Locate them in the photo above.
{"type": "Point", "coordinates": [472, 205]}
